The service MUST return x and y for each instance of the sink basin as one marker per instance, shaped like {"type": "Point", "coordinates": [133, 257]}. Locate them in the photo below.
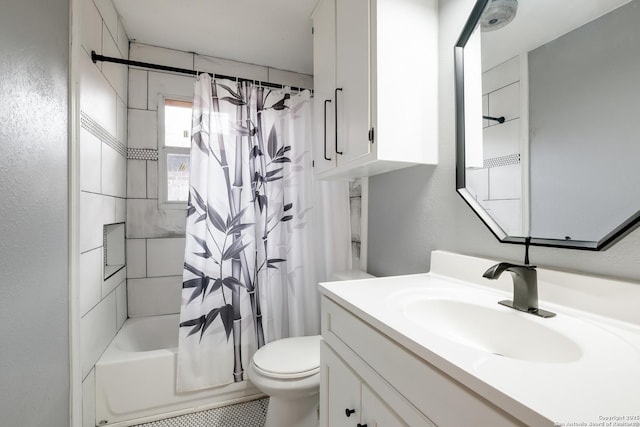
{"type": "Point", "coordinates": [497, 330]}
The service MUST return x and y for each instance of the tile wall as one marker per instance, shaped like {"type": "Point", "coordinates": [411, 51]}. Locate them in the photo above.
{"type": "Point", "coordinates": [358, 199]}
{"type": "Point", "coordinates": [498, 185]}
{"type": "Point", "coordinates": [155, 236]}
{"type": "Point", "coordinates": [103, 141]}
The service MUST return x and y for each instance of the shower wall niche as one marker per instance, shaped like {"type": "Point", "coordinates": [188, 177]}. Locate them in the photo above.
{"type": "Point", "coordinates": [114, 253]}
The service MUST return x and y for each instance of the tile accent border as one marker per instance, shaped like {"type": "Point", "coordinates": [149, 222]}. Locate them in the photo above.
{"type": "Point", "coordinates": [142, 154]}
{"type": "Point", "coordinates": [511, 159]}
{"type": "Point", "coordinates": [87, 123]}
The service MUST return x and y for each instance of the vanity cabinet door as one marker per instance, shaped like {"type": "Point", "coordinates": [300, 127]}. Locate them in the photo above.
{"type": "Point", "coordinates": [340, 403]}
{"type": "Point", "coordinates": [346, 400]}
{"type": "Point", "coordinates": [376, 413]}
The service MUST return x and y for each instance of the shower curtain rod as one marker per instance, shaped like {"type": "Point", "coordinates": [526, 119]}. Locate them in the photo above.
{"type": "Point", "coordinates": [95, 58]}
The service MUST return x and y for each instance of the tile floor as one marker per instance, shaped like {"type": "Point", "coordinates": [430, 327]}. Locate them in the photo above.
{"type": "Point", "coordinates": [247, 414]}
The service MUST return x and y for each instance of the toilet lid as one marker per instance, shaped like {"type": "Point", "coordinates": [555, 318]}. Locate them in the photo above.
{"type": "Point", "coordinates": [289, 357]}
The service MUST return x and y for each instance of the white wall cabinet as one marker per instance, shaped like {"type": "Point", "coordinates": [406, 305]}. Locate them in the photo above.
{"type": "Point", "coordinates": [375, 77]}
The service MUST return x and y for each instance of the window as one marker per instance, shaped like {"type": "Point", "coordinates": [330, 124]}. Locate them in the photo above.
{"type": "Point", "coordinates": [175, 141]}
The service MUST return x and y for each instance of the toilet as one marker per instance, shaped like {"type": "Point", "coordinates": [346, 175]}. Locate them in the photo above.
{"type": "Point", "coordinates": [288, 371]}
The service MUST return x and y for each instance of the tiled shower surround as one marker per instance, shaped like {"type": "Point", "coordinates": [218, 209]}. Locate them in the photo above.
{"type": "Point", "coordinates": [355, 212]}
{"type": "Point", "coordinates": [103, 148]}
{"type": "Point", "coordinates": [119, 180]}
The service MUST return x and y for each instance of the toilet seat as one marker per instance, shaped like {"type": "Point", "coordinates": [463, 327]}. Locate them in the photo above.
{"type": "Point", "coordinates": [289, 358]}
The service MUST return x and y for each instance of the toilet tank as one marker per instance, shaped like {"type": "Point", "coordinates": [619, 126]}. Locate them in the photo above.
{"type": "Point", "coordinates": [350, 275]}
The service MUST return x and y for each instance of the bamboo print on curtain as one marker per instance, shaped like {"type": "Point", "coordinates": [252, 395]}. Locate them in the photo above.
{"type": "Point", "coordinates": [248, 237]}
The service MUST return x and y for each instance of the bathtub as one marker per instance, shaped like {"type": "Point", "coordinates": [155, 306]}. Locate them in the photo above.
{"type": "Point", "coordinates": [136, 377]}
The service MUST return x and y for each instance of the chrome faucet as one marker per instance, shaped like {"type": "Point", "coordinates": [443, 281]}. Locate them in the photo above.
{"type": "Point", "coordinates": [525, 287]}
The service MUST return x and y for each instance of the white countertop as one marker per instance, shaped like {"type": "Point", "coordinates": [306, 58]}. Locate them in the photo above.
{"type": "Point", "coordinates": [601, 384]}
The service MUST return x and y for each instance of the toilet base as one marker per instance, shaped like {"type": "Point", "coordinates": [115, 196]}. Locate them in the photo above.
{"type": "Point", "coordinates": [302, 412]}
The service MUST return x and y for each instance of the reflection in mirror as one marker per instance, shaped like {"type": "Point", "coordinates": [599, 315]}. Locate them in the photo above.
{"type": "Point", "coordinates": [553, 153]}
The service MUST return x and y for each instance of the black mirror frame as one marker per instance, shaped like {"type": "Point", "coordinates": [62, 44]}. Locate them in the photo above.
{"type": "Point", "coordinates": [488, 221]}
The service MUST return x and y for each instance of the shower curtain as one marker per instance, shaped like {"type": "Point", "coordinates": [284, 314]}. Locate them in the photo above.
{"type": "Point", "coordinates": [252, 255]}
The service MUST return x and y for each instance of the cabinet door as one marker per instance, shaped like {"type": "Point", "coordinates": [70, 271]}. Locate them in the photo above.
{"type": "Point", "coordinates": [376, 413]}
{"type": "Point", "coordinates": [324, 81]}
{"type": "Point", "coordinates": [353, 76]}
{"type": "Point", "coordinates": [340, 391]}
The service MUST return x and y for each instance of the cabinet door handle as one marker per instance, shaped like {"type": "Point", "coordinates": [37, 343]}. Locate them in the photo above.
{"type": "Point", "coordinates": [348, 412]}
{"type": "Point", "coordinates": [336, 109]}
{"type": "Point", "coordinates": [361, 425]}
{"type": "Point", "coordinates": [325, 129]}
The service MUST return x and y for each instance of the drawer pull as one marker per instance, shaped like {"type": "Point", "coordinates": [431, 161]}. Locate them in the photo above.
{"type": "Point", "coordinates": [348, 412]}
{"type": "Point", "coordinates": [325, 129]}
{"type": "Point", "coordinates": [336, 111]}
{"type": "Point", "coordinates": [361, 425]}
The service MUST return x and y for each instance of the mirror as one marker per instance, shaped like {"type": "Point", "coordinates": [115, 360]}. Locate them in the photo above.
{"type": "Point", "coordinates": [548, 120]}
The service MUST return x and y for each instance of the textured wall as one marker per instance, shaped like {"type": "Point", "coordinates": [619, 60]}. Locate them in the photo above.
{"type": "Point", "coordinates": [417, 210]}
{"type": "Point", "coordinates": [34, 293]}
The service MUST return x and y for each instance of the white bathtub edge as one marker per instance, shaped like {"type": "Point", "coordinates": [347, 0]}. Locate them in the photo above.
{"type": "Point", "coordinates": [134, 386]}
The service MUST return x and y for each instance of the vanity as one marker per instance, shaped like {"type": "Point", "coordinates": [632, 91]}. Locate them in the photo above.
{"type": "Point", "coordinates": [539, 166]}
{"type": "Point", "coordinates": [437, 349]}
